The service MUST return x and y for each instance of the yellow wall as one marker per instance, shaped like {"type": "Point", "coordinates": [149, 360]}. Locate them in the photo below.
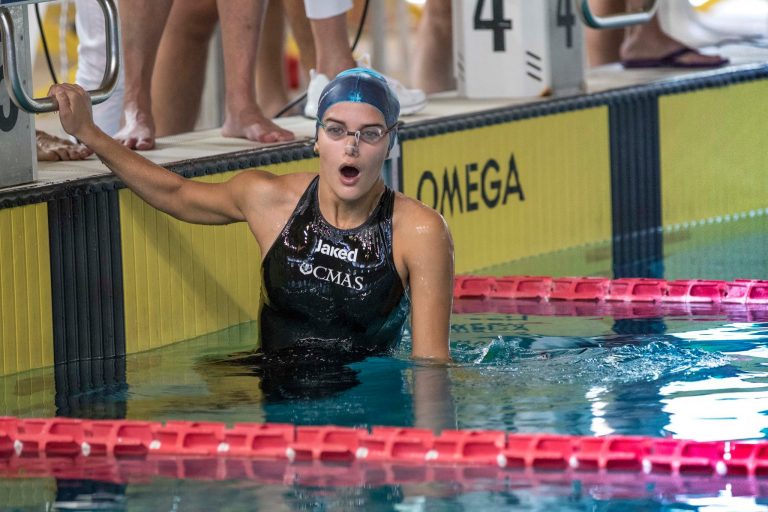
{"type": "Point", "coordinates": [53, 28]}
{"type": "Point", "coordinates": [29, 394]}
{"type": "Point", "coordinates": [563, 168]}
{"type": "Point", "coordinates": [26, 329]}
{"type": "Point", "coordinates": [27, 493]}
{"type": "Point", "coordinates": [714, 156]}
{"type": "Point", "coordinates": [183, 280]}
{"type": "Point", "coordinates": [584, 260]}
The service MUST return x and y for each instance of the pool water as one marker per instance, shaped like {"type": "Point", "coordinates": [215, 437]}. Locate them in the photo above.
{"type": "Point", "coordinates": [694, 373]}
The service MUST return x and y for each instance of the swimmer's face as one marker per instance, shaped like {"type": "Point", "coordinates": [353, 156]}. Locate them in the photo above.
{"type": "Point", "coordinates": [351, 168]}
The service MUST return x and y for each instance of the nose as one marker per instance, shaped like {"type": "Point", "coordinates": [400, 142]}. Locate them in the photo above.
{"type": "Point", "coordinates": [356, 135]}
{"type": "Point", "coordinates": [352, 149]}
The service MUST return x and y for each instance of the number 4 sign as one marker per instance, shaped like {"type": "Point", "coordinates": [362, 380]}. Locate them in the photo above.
{"type": "Point", "coordinates": [517, 48]}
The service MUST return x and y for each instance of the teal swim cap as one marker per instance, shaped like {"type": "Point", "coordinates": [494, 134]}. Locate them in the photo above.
{"type": "Point", "coordinates": [361, 85]}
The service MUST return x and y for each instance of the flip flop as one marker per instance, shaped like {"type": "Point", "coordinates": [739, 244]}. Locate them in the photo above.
{"type": "Point", "coordinates": [672, 60]}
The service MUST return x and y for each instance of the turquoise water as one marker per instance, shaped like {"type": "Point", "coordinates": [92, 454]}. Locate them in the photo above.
{"type": "Point", "coordinates": [700, 378]}
{"type": "Point", "coordinates": [697, 374]}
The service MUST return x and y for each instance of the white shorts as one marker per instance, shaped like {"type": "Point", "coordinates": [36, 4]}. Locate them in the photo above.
{"type": "Point", "coordinates": [321, 9]}
{"type": "Point", "coordinates": [91, 54]}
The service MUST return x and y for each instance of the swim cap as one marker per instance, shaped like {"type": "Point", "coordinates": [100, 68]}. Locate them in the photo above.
{"type": "Point", "coordinates": [361, 85]}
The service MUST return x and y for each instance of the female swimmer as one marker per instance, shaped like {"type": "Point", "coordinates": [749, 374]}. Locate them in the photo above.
{"type": "Point", "coordinates": [344, 258]}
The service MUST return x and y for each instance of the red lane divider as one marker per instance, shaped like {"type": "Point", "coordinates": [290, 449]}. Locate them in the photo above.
{"type": "Point", "coordinates": [579, 288]}
{"type": "Point", "coordinates": [636, 290]}
{"type": "Point", "coordinates": [695, 290]}
{"type": "Point", "coordinates": [617, 310]}
{"type": "Point", "coordinates": [747, 291]}
{"type": "Point", "coordinates": [601, 289]}
{"type": "Point", "coordinates": [27, 442]}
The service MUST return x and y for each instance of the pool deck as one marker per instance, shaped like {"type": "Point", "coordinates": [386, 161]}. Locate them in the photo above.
{"type": "Point", "coordinates": [210, 143]}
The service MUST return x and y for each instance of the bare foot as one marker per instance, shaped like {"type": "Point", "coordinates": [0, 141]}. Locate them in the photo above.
{"type": "Point", "coordinates": [654, 48]}
{"type": "Point", "coordinates": [138, 132]}
{"type": "Point", "coordinates": [251, 124]}
{"type": "Point", "coordinates": [53, 149]}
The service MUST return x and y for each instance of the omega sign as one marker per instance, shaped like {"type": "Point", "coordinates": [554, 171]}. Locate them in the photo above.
{"type": "Point", "coordinates": [455, 191]}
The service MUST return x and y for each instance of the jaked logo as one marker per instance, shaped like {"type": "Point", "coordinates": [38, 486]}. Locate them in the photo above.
{"type": "Point", "coordinates": [341, 254]}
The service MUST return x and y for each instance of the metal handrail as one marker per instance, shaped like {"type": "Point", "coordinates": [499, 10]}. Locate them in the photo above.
{"type": "Point", "coordinates": [14, 84]}
{"type": "Point", "coordinates": [615, 20]}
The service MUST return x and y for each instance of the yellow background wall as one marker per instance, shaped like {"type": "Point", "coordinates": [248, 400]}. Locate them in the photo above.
{"type": "Point", "coordinates": [563, 168]}
{"type": "Point", "coordinates": [26, 327]}
{"type": "Point", "coordinates": [714, 152]}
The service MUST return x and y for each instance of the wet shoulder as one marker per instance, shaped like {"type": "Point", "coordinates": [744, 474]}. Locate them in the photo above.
{"type": "Point", "coordinates": [411, 217]}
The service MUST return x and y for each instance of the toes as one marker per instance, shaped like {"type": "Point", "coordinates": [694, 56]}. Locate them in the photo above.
{"type": "Point", "coordinates": [43, 155]}
{"type": "Point", "coordinates": [78, 152]}
{"type": "Point", "coordinates": [62, 153]}
{"type": "Point", "coordinates": [265, 137]}
{"type": "Point", "coordinates": [285, 135]}
{"type": "Point", "coordinates": [276, 135]}
{"type": "Point", "coordinates": [145, 144]}
{"type": "Point", "coordinates": [129, 142]}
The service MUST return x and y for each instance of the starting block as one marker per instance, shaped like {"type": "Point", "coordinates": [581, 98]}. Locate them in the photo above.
{"type": "Point", "coordinates": [517, 48]}
{"type": "Point", "coordinates": [18, 154]}
{"type": "Point", "coordinates": [526, 48]}
{"type": "Point", "coordinates": [17, 127]}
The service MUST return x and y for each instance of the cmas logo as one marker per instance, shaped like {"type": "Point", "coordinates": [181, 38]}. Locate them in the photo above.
{"type": "Point", "coordinates": [332, 276]}
{"type": "Point", "coordinates": [342, 254]}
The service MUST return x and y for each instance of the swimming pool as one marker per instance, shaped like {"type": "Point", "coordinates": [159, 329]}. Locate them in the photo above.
{"type": "Point", "coordinates": [688, 373]}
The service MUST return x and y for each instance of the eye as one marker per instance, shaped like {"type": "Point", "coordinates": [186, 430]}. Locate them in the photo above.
{"type": "Point", "coordinates": [371, 134]}
{"type": "Point", "coordinates": [335, 131]}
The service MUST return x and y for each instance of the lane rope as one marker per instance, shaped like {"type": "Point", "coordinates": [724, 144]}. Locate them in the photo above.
{"type": "Point", "coordinates": [65, 446]}
{"type": "Point", "coordinates": [602, 289]}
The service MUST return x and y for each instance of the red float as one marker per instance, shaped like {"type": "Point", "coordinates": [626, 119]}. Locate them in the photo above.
{"type": "Point", "coordinates": [31, 445]}
{"type": "Point", "coordinates": [601, 289]}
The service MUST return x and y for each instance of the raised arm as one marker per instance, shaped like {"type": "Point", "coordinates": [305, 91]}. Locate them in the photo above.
{"type": "Point", "coordinates": [428, 257]}
{"type": "Point", "coordinates": [191, 201]}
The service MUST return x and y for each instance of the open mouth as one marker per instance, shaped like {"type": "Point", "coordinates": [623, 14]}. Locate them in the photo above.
{"type": "Point", "coordinates": [349, 171]}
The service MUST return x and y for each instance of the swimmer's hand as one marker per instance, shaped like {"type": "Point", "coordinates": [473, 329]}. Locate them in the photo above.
{"type": "Point", "coordinates": [75, 114]}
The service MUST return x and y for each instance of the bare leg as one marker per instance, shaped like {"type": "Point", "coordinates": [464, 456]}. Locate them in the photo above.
{"type": "Point", "coordinates": [302, 32]}
{"type": "Point", "coordinates": [53, 149]}
{"type": "Point", "coordinates": [332, 45]}
{"type": "Point", "coordinates": [649, 41]}
{"type": "Point", "coordinates": [603, 45]}
{"type": "Point", "coordinates": [433, 68]}
{"type": "Point", "coordinates": [241, 22]}
{"type": "Point", "coordinates": [179, 75]}
{"type": "Point", "coordinates": [142, 23]}
{"type": "Point", "coordinates": [271, 87]}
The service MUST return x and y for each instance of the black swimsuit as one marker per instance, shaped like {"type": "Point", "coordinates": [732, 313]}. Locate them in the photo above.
{"type": "Point", "coordinates": [329, 292]}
